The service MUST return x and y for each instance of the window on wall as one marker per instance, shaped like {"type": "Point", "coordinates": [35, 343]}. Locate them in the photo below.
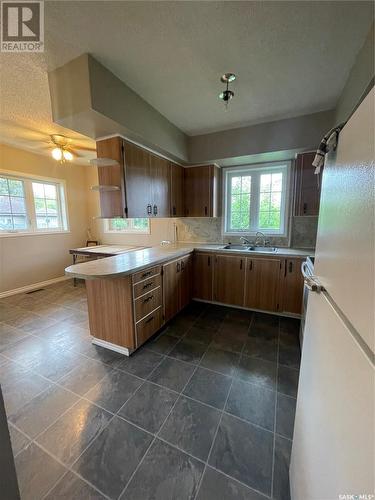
{"type": "Point", "coordinates": [30, 205]}
{"type": "Point", "coordinates": [256, 199]}
{"type": "Point", "coordinates": [140, 226]}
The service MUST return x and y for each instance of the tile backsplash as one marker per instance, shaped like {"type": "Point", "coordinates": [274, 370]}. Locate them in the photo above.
{"type": "Point", "coordinates": [209, 230]}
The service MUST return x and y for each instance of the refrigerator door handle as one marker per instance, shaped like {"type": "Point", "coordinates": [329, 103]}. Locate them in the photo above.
{"type": "Point", "coordinates": [311, 282]}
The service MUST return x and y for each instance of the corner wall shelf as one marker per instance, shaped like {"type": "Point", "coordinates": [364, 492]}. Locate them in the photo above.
{"type": "Point", "coordinates": [105, 187]}
{"type": "Point", "coordinates": [104, 162]}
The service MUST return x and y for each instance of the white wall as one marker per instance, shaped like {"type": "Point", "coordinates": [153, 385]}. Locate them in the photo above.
{"type": "Point", "coordinates": [28, 259]}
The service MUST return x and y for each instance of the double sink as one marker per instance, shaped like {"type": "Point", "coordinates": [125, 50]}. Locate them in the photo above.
{"type": "Point", "coordinates": [248, 248]}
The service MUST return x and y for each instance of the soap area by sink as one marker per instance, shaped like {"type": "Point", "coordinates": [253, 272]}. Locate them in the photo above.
{"type": "Point", "coordinates": [247, 248]}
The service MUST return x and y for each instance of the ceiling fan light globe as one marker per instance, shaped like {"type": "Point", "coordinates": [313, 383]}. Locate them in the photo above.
{"type": "Point", "coordinates": [67, 155]}
{"type": "Point", "coordinates": [57, 154]}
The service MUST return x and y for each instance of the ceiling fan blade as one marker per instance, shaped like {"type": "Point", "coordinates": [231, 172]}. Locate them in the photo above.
{"type": "Point", "coordinates": [85, 148]}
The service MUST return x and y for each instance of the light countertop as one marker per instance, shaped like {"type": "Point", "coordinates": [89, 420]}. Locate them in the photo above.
{"type": "Point", "coordinates": [132, 261]}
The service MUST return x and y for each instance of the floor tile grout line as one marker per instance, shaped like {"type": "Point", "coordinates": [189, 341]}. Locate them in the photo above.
{"type": "Point", "coordinates": [217, 430]}
{"type": "Point", "coordinates": [275, 415]}
{"type": "Point", "coordinates": [156, 435]}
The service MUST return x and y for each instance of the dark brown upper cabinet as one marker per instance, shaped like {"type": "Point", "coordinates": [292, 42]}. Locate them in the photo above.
{"type": "Point", "coordinates": [202, 191]}
{"type": "Point", "coordinates": [160, 186]}
{"type": "Point", "coordinates": [306, 186]}
{"type": "Point", "coordinates": [177, 191]}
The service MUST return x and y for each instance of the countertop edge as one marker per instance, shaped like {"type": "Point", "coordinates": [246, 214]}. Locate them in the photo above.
{"type": "Point", "coordinates": [283, 253]}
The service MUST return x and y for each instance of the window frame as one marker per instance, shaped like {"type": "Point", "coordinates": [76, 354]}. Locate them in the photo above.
{"type": "Point", "coordinates": [61, 198]}
{"type": "Point", "coordinates": [130, 230]}
{"type": "Point", "coordinates": [257, 169]}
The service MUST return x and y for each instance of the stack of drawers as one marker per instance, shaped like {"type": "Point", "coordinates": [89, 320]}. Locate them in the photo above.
{"type": "Point", "coordinates": [147, 302]}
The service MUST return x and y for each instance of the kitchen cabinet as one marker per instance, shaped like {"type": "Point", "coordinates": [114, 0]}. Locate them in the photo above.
{"type": "Point", "coordinates": [112, 203]}
{"type": "Point", "coordinates": [177, 284]}
{"type": "Point", "coordinates": [202, 191]}
{"type": "Point", "coordinates": [202, 276]}
{"type": "Point", "coordinates": [307, 186]}
{"type": "Point", "coordinates": [160, 186]}
{"type": "Point", "coordinates": [176, 190]}
{"type": "Point", "coordinates": [229, 279]}
{"type": "Point", "coordinates": [262, 284]}
{"type": "Point", "coordinates": [292, 289]}
{"type": "Point", "coordinates": [137, 181]}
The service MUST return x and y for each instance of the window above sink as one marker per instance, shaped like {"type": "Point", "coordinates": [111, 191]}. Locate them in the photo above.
{"type": "Point", "coordinates": [256, 199]}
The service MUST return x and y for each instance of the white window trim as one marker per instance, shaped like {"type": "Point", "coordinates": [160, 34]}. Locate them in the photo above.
{"type": "Point", "coordinates": [285, 204]}
{"type": "Point", "coordinates": [32, 230]}
{"type": "Point", "coordinates": [127, 230]}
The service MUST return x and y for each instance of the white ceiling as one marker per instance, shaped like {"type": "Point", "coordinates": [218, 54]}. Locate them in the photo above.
{"type": "Point", "coordinates": [291, 58]}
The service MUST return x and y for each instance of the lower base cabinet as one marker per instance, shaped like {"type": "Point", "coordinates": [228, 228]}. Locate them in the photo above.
{"type": "Point", "coordinates": [177, 286]}
{"type": "Point", "coordinates": [262, 284]}
{"type": "Point", "coordinates": [229, 279]}
{"type": "Point", "coordinates": [203, 275]}
{"type": "Point", "coordinates": [292, 291]}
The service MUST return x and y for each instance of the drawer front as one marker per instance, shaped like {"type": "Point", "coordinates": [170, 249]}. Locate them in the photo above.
{"type": "Point", "coordinates": [146, 274]}
{"type": "Point", "coordinates": [147, 285]}
{"type": "Point", "coordinates": [147, 303]}
{"type": "Point", "coordinates": [148, 326]}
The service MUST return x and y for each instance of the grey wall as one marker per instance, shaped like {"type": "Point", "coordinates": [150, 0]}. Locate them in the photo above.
{"type": "Point", "coordinates": [359, 82]}
{"type": "Point", "coordinates": [303, 133]}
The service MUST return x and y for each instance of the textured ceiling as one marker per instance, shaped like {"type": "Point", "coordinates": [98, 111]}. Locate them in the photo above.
{"type": "Point", "coordinates": [291, 58]}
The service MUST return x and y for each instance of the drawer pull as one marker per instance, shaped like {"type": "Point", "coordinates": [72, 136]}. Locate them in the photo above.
{"type": "Point", "coordinates": [148, 285]}
{"type": "Point", "coordinates": [148, 299]}
{"type": "Point", "coordinates": [149, 320]}
{"type": "Point", "coordinates": [144, 275]}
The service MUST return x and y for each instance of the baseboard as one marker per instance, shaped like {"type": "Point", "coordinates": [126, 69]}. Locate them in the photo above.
{"type": "Point", "coordinates": [274, 313]}
{"type": "Point", "coordinates": [112, 347]}
{"type": "Point", "coordinates": [34, 286]}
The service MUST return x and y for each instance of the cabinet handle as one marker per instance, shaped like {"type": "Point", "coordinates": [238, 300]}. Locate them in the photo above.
{"type": "Point", "coordinates": [304, 208]}
{"type": "Point", "coordinates": [148, 299]}
{"type": "Point", "coordinates": [241, 264]}
{"type": "Point", "coordinates": [209, 260]}
{"type": "Point", "coordinates": [155, 210]}
{"type": "Point", "coordinates": [251, 265]}
{"type": "Point", "coordinates": [174, 210]}
{"type": "Point", "coordinates": [290, 266]}
{"type": "Point", "coordinates": [178, 267]}
{"type": "Point", "coordinates": [149, 319]}
{"type": "Point", "coordinates": [149, 209]}
{"type": "Point", "coordinates": [182, 265]}
{"type": "Point", "coordinates": [144, 275]}
{"type": "Point", "coordinates": [285, 268]}
{"type": "Point", "coordinates": [205, 211]}
{"type": "Point", "coordinates": [148, 285]}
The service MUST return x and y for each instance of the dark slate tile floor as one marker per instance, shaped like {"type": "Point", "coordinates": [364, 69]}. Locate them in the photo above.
{"type": "Point", "coordinates": [205, 410]}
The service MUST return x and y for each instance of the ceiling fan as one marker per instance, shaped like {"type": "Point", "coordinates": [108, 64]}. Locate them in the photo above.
{"type": "Point", "coordinates": [63, 150]}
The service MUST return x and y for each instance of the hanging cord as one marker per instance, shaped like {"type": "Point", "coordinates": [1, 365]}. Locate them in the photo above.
{"type": "Point", "coordinates": [328, 142]}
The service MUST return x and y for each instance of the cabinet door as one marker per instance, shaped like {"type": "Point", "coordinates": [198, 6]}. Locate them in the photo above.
{"type": "Point", "coordinates": [262, 284]}
{"type": "Point", "coordinates": [307, 186]}
{"type": "Point", "coordinates": [229, 278]}
{"type": "Point", "coordinates": [202, 276]}
{"type": "Point", "coordinates": [112, 203]}
{"type": "Point", "coordinates": [171, 289]}
{"type": "Point", "coordinates": [186, 281]}
{"type": "Point", "coordinates": [197, 190]}
{"type": "Point", "coordinates": [160, 185]}
{"type": "Point", "coordinates": [292, 286]}
{"type": "Point", "coordinates": [177, 191]}
{"type": "Point", "coordinates": [138, 181]}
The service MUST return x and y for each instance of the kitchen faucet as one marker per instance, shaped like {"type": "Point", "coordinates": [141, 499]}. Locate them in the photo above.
{"type": "Point", "coordinates": [260, 236]}
{"type": "Point", "coordinates": [245, 240]}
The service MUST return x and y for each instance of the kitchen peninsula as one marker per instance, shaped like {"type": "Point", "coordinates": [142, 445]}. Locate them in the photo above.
{"type": "Point", "coordinates": [132, 295]}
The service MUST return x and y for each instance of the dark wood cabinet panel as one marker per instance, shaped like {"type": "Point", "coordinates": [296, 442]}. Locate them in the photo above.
{"type": "Point", "coordinates": [112, 203]}
{"type": "Point", "coordinates": [171, 289]}
{"type": "Point", "coordinates": [292, 289]}
{"type": "Point", "coordinates": [186, 281]}
{"type": "Point", "coordinates": [307, 186]}
{"type": "Point", "coordinates": [262, 288]}
{"type": "Point", "coordinates": [229, 279]}
{"type": "Point", "coordinates": [202, 276]}
{"type": "Point", "coordinates": [137, 181]}
{"type": "Point", "coordinates": [177, 191]}
{"type": "Point", "coordinates": [202, 191]}
{"type": "Point", "coordinates": [160, 186]}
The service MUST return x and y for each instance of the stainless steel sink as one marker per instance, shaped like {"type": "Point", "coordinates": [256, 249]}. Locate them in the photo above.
{"type": "Point", "coordinates": [247, 248]}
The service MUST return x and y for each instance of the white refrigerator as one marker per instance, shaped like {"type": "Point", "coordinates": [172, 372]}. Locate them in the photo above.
{"type": "Point", "coordinates": [333, 444]}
